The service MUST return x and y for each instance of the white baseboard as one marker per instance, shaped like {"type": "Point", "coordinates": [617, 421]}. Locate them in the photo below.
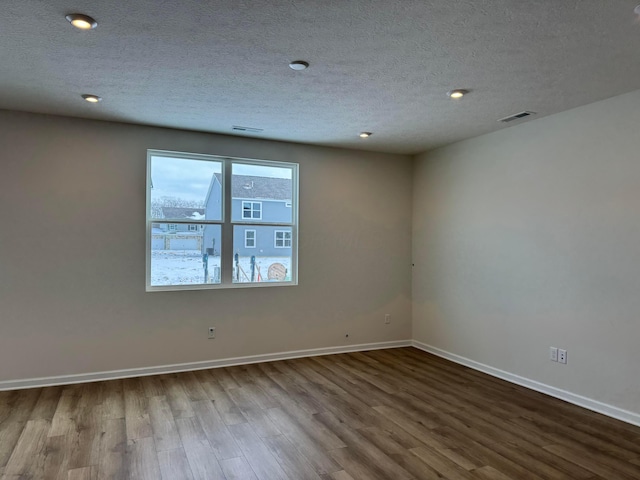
{"type": "Point", "coordinates": [185, 367]}
{"type": "Point", "coordinates": [588, 403]}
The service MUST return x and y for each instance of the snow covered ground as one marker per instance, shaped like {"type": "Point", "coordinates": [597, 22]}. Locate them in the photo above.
{"type": "Point", "coordinates": [185, 267]}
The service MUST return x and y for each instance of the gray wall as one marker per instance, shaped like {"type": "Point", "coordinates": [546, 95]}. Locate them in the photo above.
{"type": "Point", "coordinates": [72, 253]}
{"type": "Point", "coordinates": [530, 237]}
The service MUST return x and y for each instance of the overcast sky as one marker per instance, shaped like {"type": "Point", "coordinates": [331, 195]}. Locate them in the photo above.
{"type": "Point", "coordinates": [190, 179]}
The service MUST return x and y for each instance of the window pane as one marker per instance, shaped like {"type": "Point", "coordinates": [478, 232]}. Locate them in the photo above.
{"type": "Point", "coordinates": [282, 238]}
{"type": "Point", "coordinates": [182, 256]}
{"type": "Point", "coordinates": [250, 239]}
{"type": "Point", "coordinates": [264, 262]}
{"type": "Point", "coordinates": [185, 189]}
{"type": "Point", "coordinates": [261, 194]}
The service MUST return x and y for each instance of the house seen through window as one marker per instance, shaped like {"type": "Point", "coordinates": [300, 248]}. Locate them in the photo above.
{"type": "Point", "coordinates": [217, 222]}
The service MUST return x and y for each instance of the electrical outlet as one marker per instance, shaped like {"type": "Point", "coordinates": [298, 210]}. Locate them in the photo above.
{"type": "Point", "coordinates": [212, 332]}
{"type": "Point", "coordinates": [387, 318]}
{"type": "Point", "coordinates": [562, 356]}
{"type": "Point", "coordinates": [553, 354]}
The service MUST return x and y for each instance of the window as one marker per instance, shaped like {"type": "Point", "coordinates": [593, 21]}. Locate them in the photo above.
{"type": "Point", "coordinates": [210, 218]}
{"type": "Point", "coordinates": [282, 239]}
{"type": "Point", "coordinates": [252, 210]}
{"type": "Point", "coordinates": [250, 239]}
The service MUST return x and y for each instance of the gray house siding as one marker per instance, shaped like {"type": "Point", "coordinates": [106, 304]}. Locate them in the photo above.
{"type": "Point", "coordinates": [265, 242]}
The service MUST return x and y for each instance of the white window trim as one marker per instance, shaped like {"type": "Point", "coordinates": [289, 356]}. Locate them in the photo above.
{"type": "Point", "coordinates": [284, 239]}
{"type": "Point", "coordinates": [255, 238]}
{"type": "Point", "coordinates": [251, 209]}
{"type": "Point", "coordinates": [192, 228]}
{"type": "Point", "coordinates": [172, 227]}
{"type": "Point", "coordinates": [226, 223]}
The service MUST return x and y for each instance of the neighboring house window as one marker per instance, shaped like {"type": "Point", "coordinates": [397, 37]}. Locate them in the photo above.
{"type": "Point", "coordinates": [282, 239]}
{"type": "Point", "coordinates": [252, 210]}
{"type": "Point", "coordinates": [229, 203]}
{"type": "Point", "coordinates": [250, 239]}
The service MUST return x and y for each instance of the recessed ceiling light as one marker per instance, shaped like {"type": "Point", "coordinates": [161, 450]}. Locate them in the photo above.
{"type": "Point", "coordinates": [299, 65]}
{"type": "Point", "coordinates": [458, 93]}
{"type": "Point", "coordinates": [92, 98]}
{"type": "Point", "coordinates": [365, 134]}
{"type": "Point", "coordinates": [83, 22]}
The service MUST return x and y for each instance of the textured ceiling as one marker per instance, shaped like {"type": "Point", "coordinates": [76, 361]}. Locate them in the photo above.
{"type": "Point", "coordinates": [376, 65]}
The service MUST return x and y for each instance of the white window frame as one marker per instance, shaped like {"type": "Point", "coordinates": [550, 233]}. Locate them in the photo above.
{"type": "Point", "coordinates": [192, 228]}
{"type": "Point", "coordinates": [226, 223]}
{"type": "Point", "coordinates": [284, 239]}
{"type": "Point", "coordinates": [252, 209]}
{"type": "Point", "coordinates": [172, 227]}
{"type": "Point", "coordinates": [255, 238]}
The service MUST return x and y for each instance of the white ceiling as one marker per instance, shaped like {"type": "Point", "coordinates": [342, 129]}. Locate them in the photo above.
{"type": "Point", "coordinates": [376, 65]}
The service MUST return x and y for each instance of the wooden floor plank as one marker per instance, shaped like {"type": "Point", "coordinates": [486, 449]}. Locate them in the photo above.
{"type": "Point", "coordinates": [306, 441]}
{"type": "Point", "coordinates": [222, 442]}
{"type": "Point", "coordinates": [293, 463]}
{"type": "Point", "coordinates": [257, 417]}
{"type": "Point", "coordinates": [174, 465]}
{"type": "Point", "coordinates": [152, 386]}
{"type": "Point", "coordinates": [10, 432]}
{"type": "Point", "coordinates": [237, 469]}
{"type": "Point", "coordinates": [47, 404]}
{"type": "Point", "coordinates": [489, 473]}
{"type": "Point", "coordinates": [85, 473]}
{"type": "Point", "coordinates": [113, 448]}
{"type": "Point", "coordinates": [28, 454]}
{"type": "Point", "coordinates": [597, 463]}
{"type": "Point", "coordinates": [56, 459]}
{"type": "Point", "coordinates": [262, 462]}
{"type": "Point", "coordinates": [176, 396]}
{"type": "Point", "coordinates": [165, 431]}
{"type": "Point", "coordinates": [378, 415]}
{"type": "Point", "coordinates": [200, 454]}
{"type": "Point", "coordinates": [228, 410]}
{"type": "Point", "coordinates": [113, 400]}
{"type": "Point", "coordinates": [142, 459]}
{"type": "Point", "coordinates": [136, 410]}
{"type": "Point", "coordinates": [363, 448]}
{"type": "Point", "coordinates": [65, 417]}
{"type": "Point", "coordinates": [341, 475]}
{"type": "Point", "coordinates": [355, 465]}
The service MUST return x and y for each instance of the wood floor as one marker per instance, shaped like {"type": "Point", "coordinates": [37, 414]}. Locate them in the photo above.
{"type": "Point", "coordinates": [387, 414]}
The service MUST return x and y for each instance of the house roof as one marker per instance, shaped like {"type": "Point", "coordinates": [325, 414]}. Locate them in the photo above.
{"type": "Point", "coordinates": [380, 66]}
{"type": "Point", "coordinates": [246, 186]}
{"type": "Point", "coordinates": [259, 188]}
{"type": "Point", "coordinates": [182, 212]}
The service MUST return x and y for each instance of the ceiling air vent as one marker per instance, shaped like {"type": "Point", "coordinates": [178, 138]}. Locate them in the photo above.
{"type": "Point", "coordinates": [517, 116]}
{"type": "Point", "coordinates": [238, 128]}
